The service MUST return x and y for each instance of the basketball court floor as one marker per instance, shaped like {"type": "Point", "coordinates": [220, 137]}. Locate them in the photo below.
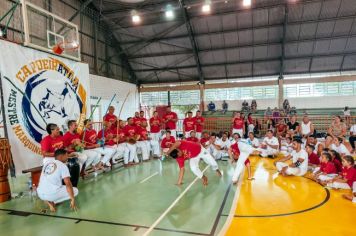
{"type": "Point", "coordinates": [144, 199]}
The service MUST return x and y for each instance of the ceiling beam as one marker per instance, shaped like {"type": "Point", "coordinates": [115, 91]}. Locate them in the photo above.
{"type": "Point", "coordinates": [192, 40]}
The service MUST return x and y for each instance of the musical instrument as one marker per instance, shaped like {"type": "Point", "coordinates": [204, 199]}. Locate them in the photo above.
{"type": "Point", "coordinates": [5, 163]}
{"type": "Point", "coordinates": [74, 170]}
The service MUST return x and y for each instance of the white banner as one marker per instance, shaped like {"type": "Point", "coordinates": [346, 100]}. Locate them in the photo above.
{"type": "Point", "coordinates": [39, 88]}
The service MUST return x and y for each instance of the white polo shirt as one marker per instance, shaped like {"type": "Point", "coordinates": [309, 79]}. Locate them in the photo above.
{"type": "Point", "coordinates": [53, 172]}
{"type": "Point", "coordinates": [304, 165]}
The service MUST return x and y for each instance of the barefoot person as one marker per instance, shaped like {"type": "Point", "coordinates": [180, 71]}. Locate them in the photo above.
{"type": "Point", "coordinates": [185, 150]}
{"type": "Point", "coordinates": [300, 161]}
{"type": "Point", "coordinates": [50, 188]}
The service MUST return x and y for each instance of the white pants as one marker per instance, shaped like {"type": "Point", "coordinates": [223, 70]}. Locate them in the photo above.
{"type": "Point", "coordinates": [93, 157]}
{"type": "Point", "coordinates": [238, 131]}
{"type": "Point", "coordinates": [327, 177]}
{"type": "Point", "coordinates": [354, 191]}
{"type": "Point", "coordinates": [82, 158]}
{"type": "Point", "coordinates": [60, 196]}
{"type": "Point", "coordinates": [290, 170]}
{"type": "Point", "coordinates": [132, 152]}
{"type": "Point", "coordinates": [107, 153]}
{"type": "Point", "coordinates": [268, 152]}
{"type": "Point", "coordinates": [198, 134]}
{"type": "Point", "coordinates": [338, 185]}
{"type": "Point", "coordinates": [145, 148]}
{"type": "Point", "coordinates": [155, 147]}
{"type": "Point", "coordinates": [245, 151]}
{"type": "Point", "coordinates": [155, 136]}
{"type": "Point", "coordinates": [206, 157]}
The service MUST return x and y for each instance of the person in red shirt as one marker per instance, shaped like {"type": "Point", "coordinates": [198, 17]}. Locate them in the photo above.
{"type": "Point", "coordinates": [142, 117]}
{"type": "Point", "coordinates": [193, 137]}
{"type": "Point", "coordinates": [234, 154]}
{"type": "Point", "coordinates": [167, 141]}
{"type": "Point", "coordinates": [92, 142]}
{"type": "Point", "coordinates": [143, 143]}
{"type": "Point", "coordinates": [155, 126]}
{"type": "Point", "coordinates": [199, 124]}
{"type": "Point", "coordinates": [327, 170]}
{"type": "Point", "coordinates": [188, 124]}
{"type": "Point", "coordinates": [136, 119]}
{"type": "Point", "coordinates": [110, 117]}
{"type": "Point", "coordinates": [132, 137]}
{"type": "Point", "coordinates": [204, 141]}
{"type": "Point", "coordinates": [347, 177]}
{"type": "Point", "coordinates": [52, 142]}
{"type": "Point", "coordinates": [72, 141]}
{"type": "Point", "coordinates": [170, 120]}
{"type": "Point", "coordinates": [185, 150]}
{"type": "Point", "coordinates": [337, 160]}
{"type": "Point", "coordinates": [238, 124]}
{"type": "Point", "coordinates": [121, 147]}
{"type": "Point", "coordinates": [313, 159]}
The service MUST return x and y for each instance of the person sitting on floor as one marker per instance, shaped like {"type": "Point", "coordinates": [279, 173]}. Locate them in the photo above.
{"type": "Point", "coordinates": [167, 141]}
{"type": "Point", "coordinates": [204, 141]}
{"type": "Point", "coordinates": [287, 146]}
{"type": "Point", "coordinates": [327, 170]}
{"type": "Point", "coordinates": [299, 167]}
{"type": "Point", "coordinates": [318, 145]}
{"type": "Point", "coordinates": [336, 158]}
{"type": "Point", "coordinates": [252, 140]}
{"type": "Point", "coordinates": [347, 177]}
{"type": "Point", "coordinates": [224, 144]}
{"type": "Point", "coordinates": [50, 188]}
{"type": "Point", "coordinates": [313, 159]}
{"type": "Point", "coordinates": [270, 145]}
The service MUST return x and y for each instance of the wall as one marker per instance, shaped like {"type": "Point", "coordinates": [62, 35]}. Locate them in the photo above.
{"type": "Point", "coordinates": [299, 103]}
{"type": "Point", "coordinates": [105, 88]}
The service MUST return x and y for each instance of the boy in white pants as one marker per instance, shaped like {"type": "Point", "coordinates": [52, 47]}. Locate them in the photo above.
{"type": "Point", "coordinates": [50, 188]}
{"type": "Point", "coordinates": [184, 150]}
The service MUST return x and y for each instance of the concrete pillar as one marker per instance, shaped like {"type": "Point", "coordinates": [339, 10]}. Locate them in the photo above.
{"type": "Point", "coordinates": [280, 92]}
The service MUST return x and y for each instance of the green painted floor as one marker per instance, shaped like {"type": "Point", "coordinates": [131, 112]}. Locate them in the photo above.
{"type": "Point", "coordinates": [116, 203]}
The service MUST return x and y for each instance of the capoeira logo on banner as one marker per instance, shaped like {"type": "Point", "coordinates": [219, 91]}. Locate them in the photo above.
{"type": "Point", "coordinates": [47, 91]}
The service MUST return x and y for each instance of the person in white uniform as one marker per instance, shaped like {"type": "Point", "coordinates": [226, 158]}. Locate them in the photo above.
{"type": "Point", "coordinates": [224, 144]}
{"type": "Point", "coordinates": [338, 146]}
{"type": "Point", "coordinates": [299, 156]}
{"type": "Point", "coordinates": [269, 146]}
{"type": "Point", "coordinates": [252, 140]}
{"type": "Point", "coordinates": [50, 188]}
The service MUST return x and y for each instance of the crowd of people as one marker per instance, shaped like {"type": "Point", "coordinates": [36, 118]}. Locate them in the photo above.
{"type": "Point", "coordinates": [329, 158]}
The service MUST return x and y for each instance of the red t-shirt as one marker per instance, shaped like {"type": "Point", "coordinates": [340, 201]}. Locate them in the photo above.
{"type": "Point", "coordinates": [155, 124]}
{"type": "Point", "coordinates": [314, 159]}
{"type": "Point", "coordinates": [349, 174]}
{"type": "Point", "coordinates": [170, 124]}
{"type": "Point", "coordinates": [191, 139]}
{"type": "Point", "coordinates": [110, 118]}
{"type": "Point", "coordinates": [188, 124]}
{"type": "Point", "coordinates": [49, 144]}
{"type": "Point", "coordinates": [136, 121]}
{"type": "Point", "coordinates": [167, 143]}
{"type": "Point", "coordinates": [143, 119]}
{"type": "Point", "coordinates": [328, 168]}
{"type": "Point", "coordinates": [90, 136]}
{"type": "Point", "coordinates": [189, 150]}
{"type": "Point", "coordinates": [203, 141]}
{"type": "Point", "coordinates": [130, 130]}
{"type": "Point", "coordinates": [142, 132]}
{"type": "Point", "coordinates": [238, 123]}
{"type": "Point", "coordinates": [69, 138]}
{"type": "Point", "coordinates": [198, 126]}
{"type": "Point", "coordinates": [109, 142]}
{"type": "Point", "coordinates": [120, 134]}
{"type": "Point", "coordinates": [236, 152]}
{"type": "Point", "coordinates": [281, 127]}
{"type": "Point", "coordinates": [338, 165]}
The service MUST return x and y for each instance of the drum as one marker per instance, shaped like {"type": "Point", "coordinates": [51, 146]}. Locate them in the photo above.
{"type": "Point", "coordinates": [74, 170]}
{"type": "Point", "coordinates": [5, 162]}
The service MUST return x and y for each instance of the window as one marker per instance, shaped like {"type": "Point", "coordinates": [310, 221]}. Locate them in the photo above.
{"type": "Point", "coordinates": [257, 92]}
{"type": "Point", "coordinates": [154, 98]}
{"type": "Point", "coordinates": [185, 97]}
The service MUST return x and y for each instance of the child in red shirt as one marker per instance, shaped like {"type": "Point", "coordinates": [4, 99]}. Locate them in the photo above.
{"type": "Point", "coordinates": [347, 177]}
{"type": "Point", "coordinates": [193, 137]}
{"type": "Point", "coordinates": [327, 168]}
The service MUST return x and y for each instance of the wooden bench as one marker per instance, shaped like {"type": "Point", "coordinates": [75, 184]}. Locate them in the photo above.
{"type": "Point", "coordinates": [35, 174]}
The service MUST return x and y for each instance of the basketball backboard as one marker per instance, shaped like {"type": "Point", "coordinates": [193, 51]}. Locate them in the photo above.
{"type": "Point", "coordinates": [44, 30]}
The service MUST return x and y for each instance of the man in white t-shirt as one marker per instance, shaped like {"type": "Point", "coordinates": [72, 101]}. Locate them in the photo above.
{"type": "Point", "coordinates": [299, 156]}
{"type": "Point", "coordinates": [352, 138]}
{"type": "Point", "coordinates": [252, 140]}
{"type": "Point", "coordinates": [224, 144]}
{"type": "Point", "coordinates": [339, 147]}
{"type": "Point", "coordinates": [50, 188]}
{"type": "Point", "coordinates": [269, 145]}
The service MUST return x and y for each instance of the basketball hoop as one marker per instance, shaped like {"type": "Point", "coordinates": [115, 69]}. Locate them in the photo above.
{"type": "Point", "coordinates": [65, 46]}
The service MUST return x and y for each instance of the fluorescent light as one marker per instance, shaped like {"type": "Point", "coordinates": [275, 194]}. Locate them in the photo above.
{"type": "Point", "coordinates": [206, 8]}
{"type": "Point", "coordinates": [136, 19]}
{"type": "Point", "coordinates": [246, 3]}
{"type": "Point", "coordinates": [169, 12]}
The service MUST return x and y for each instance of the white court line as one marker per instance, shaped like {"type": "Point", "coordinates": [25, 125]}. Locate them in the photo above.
{"type": "Point", "coordinates": [172, 205]}
{"type": "Point", "coordinates": [233, 206]}
{"type": "Point", "coordinates": [144, 180]}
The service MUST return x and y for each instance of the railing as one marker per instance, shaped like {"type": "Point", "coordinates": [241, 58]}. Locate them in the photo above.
{"type": "Point", "coordinates": [217, 124]}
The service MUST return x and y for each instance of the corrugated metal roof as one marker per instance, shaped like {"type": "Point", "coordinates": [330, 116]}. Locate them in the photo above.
{"type": "Point", "coordinates": [233, 41]}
